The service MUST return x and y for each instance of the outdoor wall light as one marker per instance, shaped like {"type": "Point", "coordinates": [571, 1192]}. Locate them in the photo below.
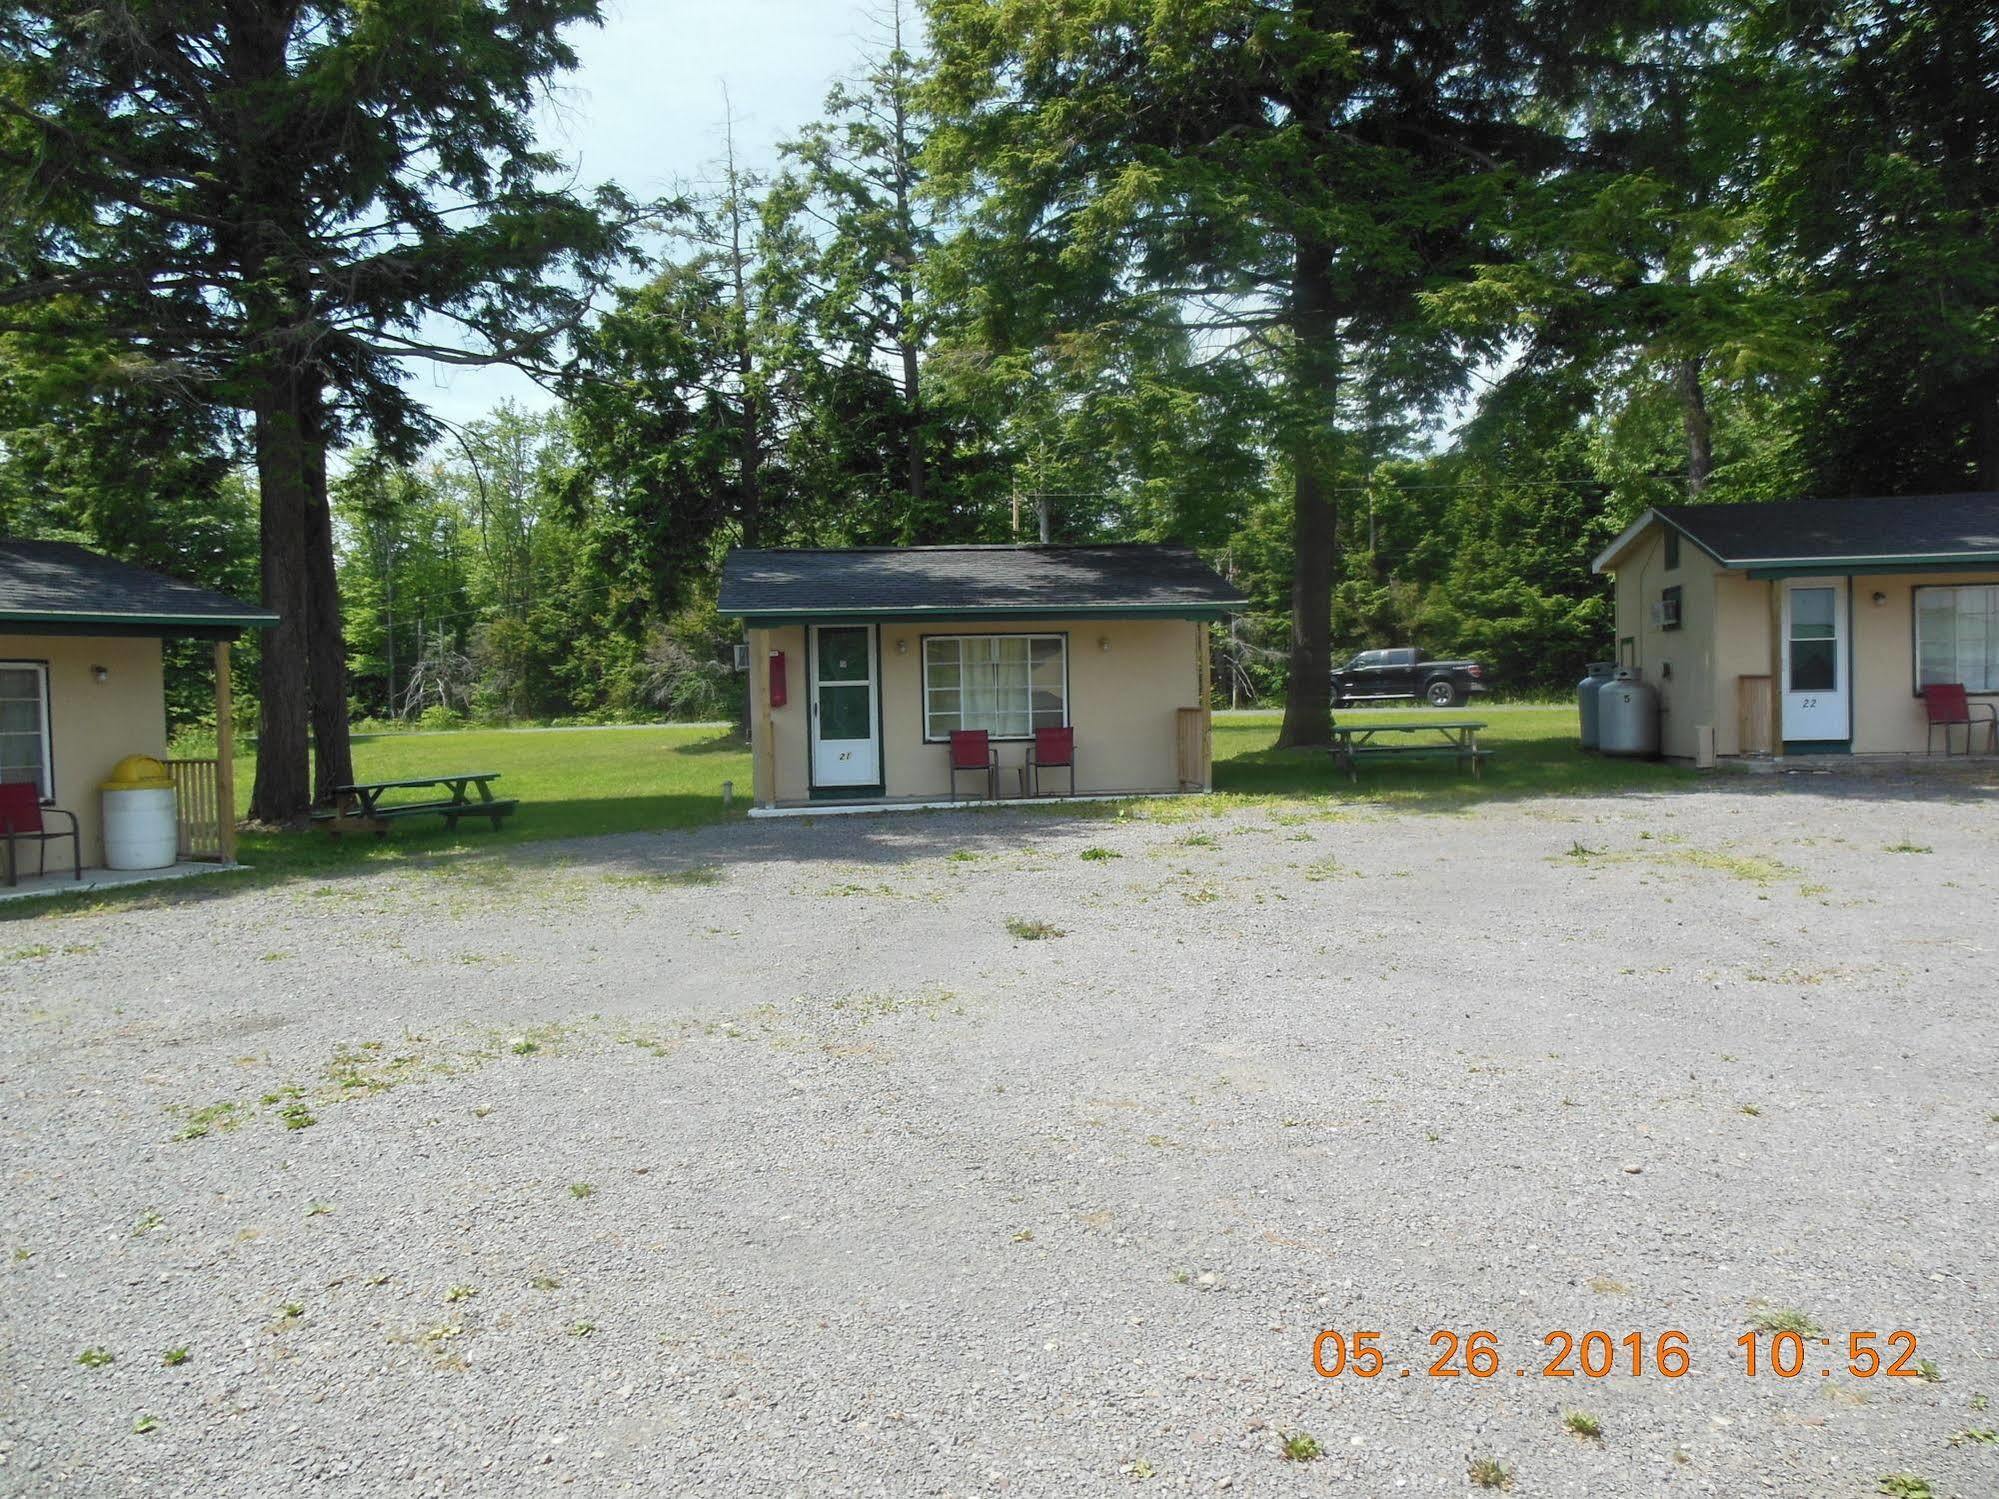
{"type": "Point", "coordinates": [902, 647]}
{"type": "Point", "coordinates": [103, 674]}
{"type": "Point", "coordinates": [1880, 598]}
{"type": "Point", "coordinates": [1103, 642]}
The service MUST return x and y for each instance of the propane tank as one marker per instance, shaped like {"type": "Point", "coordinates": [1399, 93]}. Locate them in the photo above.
{"type": "Point", "coordinates": [1586, 690]}
{"type": "Point", "coordinates": [1627, 715]}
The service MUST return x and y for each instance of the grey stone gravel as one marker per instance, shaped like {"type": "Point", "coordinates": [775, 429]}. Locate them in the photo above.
{"type": "Point", "coordinates": [765, 1160]}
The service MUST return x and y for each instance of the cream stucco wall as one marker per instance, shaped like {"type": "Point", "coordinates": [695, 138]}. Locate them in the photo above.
{"type": "Point", "coordinates": [92, 724]}
{"type": "Point", "coordinates": [1726, 634]}
{"type": "Point", "coordinates": [1127, 680]}
{"type": "Point", "coordinates": [1887, 715]}
{"type": "Point", "coordinates": [1679, 663]}
{"type": "Point", "coordinates": [1740, 626]}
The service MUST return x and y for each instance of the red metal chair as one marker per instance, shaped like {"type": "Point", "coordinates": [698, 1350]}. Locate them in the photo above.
{"type": "Point", "coordinates": [972, 749]}
{"type": "Point", "coordinates": [21, 812]}
{"type": "Point", "coordinates": [1052, 749]}
{"type": "Point", "coordinates": [1949, 707]}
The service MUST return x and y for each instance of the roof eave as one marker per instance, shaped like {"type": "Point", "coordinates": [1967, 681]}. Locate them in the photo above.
{"type": "Point", "coordinates": [762, 618]}
{"type": "Point", "coordinates": [1882, 563]}
{"type": "Point", "coordinates": [261, 620]}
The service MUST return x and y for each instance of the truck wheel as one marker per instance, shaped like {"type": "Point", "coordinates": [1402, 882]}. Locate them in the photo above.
{"type": "Point", "coordinates": [1441, 694]}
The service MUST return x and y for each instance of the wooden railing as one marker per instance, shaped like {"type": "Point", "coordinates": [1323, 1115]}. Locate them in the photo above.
{"type": "Point", "coordinates": [205, 831]}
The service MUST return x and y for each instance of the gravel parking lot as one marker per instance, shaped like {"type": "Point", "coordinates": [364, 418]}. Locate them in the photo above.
{"type": "Point", "coordinates": [768, 1160]}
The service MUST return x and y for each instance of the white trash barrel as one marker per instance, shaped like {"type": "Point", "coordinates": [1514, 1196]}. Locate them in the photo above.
{"type": "Point", "coordinates": [140, 828]}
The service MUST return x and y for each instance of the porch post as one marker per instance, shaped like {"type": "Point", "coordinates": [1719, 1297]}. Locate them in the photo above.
{"type": "Point", "coordinates": [763, 762]}
{"type": "Point", "coordinates": [1777, 668]}
{"type": "Point", "coordinates": [1203, 649]}
{"type": "Point", "coordinates": [225, 757]}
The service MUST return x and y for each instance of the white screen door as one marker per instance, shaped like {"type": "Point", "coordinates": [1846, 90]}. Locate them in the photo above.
{"type": "Point", "coordinates": [1815, 659]}
{"type": "Point", "coordinates": [845, 751]}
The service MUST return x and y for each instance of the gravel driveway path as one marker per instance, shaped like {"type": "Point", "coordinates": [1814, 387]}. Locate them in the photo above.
{"type": "Point", "coordinates": [767, 1160]}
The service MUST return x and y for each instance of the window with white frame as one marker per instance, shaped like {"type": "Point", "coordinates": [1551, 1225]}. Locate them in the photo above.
{"type": "Point", "coordinates": [1957, 637]}
{"type": "Point", "coordinates": [24, 724]}
{"type": "Point", "coordinates": [1008, 685]}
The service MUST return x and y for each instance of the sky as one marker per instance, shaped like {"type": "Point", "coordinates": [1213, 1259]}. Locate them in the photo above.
{"type": "Point", "coordinates": [645, 108]}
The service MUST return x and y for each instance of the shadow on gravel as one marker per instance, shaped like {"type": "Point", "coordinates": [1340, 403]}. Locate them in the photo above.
{"type": "Point", "coordinates": [1300, 784]}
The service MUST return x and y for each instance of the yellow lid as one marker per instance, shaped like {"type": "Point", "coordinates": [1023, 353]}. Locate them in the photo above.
{"type": "Point", "coordinates": [138, 773]}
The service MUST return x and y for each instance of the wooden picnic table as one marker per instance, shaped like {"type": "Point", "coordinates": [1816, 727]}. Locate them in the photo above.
{"type": "Point", "coordinates": [358, 807]}
{"type": "Point", "coordinates": [1456, 738]}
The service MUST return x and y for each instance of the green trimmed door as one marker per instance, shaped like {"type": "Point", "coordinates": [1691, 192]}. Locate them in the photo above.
{"type": "Point", "coordinates": [1815, 661]}
{"type": "Point", "coordinates": [845, 748]}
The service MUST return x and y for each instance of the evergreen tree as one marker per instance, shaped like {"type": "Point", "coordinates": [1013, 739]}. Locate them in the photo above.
{"type": "Point", "coordinates": [275, 205]}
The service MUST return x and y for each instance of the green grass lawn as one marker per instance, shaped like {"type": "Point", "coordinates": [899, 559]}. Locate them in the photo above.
{"type": "Point", "coordinates": [1535, 747]}
{"type": "Point", "coordinates": [570, 783]}
{"type": "Point", "coordinates": [575, 782]}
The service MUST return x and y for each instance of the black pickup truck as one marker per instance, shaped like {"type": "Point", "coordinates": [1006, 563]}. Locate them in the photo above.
{"type": "Point", "coordinates": [1404, 673]}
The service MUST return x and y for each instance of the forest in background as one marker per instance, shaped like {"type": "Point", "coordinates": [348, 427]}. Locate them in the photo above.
{"type": "Point", "coordinates": [1397, 312]}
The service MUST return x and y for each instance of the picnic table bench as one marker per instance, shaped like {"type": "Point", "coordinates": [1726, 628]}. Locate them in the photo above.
{"type": "Point", "coordinates": [358, 808]}
{"type": "Point", "coordinates": [1456, 739]}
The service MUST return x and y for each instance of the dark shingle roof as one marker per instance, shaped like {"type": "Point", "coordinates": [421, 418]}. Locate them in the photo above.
{"type": "Point", "coordinates": [942, 581]}
{"type": "Point", "coordinates": [60, 583]}
{"type": "Point", "coordinates": [1910, 528]}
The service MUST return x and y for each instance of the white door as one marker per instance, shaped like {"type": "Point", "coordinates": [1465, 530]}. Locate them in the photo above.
{"type": "Point", "coordinates": [1815, 660]}
{"type": "Point", "coordinates": [845, 751]}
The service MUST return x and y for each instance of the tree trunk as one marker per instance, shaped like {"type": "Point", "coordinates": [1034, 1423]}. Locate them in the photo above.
{"type": "Point", "coordinates": [326, 640]}
{"type": "Point", "coordinates": [1699, 428]}
{"type": "Point", "coordinates": [282, 791]}
{"type": "Point", "coordinates": [912, 403]}
{"type": "Point", "coordinates": [1314, 395]}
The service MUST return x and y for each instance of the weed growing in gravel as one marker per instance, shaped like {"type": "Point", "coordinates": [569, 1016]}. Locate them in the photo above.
{"type": "Point", "coordinates": [546, 1283]}
{"type": "Point", "coordinates": [96, 1358]}
{"type": "Point", "coordinates": [1033, 931]}
{"type": "Point", "coordinates": [1603, 1285]}
{"type": "Point", "coordinates": [523, 1046]}
{"type": "Point", "coordinates": [1489, 1473]}
{"type": "Point", "coordinates": [962, 856]}
{"type": "Point", "coordinates": [1197, 840]}
{"type": "Point", "coordinates": [1906, 847]}
{"type": "Point", "coordinates": [580, 1190]}
{"type": "Point", "coordinates": [146, 1223]}
{"type": "Point", "coordinates": [291, 1311]}
{"type": "Point", "coordinates": [319, 1210]}
{"type": "Point", "coordinates": [1138, 1467]}
{"type": "Point", "coordinates": [461, 1293]}
{"type": "Point", "coordinates": [1095, 855]}
{"type": "Point", "coordinates": [143, 1423]}
{"type": "Point", "coordinates": [1979, 1402]}
{"type": "Point", "coordinates": [173, 1358]}
{"type": "Point", "coordinates": [1983, 1435]}
{"type": "Point", "coordinates": [1930, 1372]}
{"type": "Point", "coordinates": [581, 1329]}
{"type": "Point", "coordinates": [297, 1116]}
{"type": "Point", "coordinates": [1302, 1447]}
{"type": "Point", "coordinates": [1752, 1110]}
{"type": "Point", "coordinates": [1905, 1486]}
{"type": "Point", "coordinates": [1783, 1319]}
{"type": "Point", "coordinates": [214, 1116]}
{"type": "Point", "coordinates": [1582, 1424]}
